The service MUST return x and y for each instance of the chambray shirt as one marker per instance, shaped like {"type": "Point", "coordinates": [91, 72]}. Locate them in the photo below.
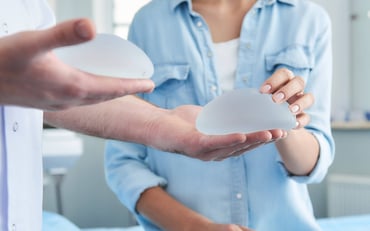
{"type": "Point", "coordinates": [21, 132]}
{"type": "Point", "coordinates": [255, 189]}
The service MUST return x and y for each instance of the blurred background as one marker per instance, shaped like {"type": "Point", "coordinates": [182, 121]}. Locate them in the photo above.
{"type": "Point", "coordinates": [74, 176]}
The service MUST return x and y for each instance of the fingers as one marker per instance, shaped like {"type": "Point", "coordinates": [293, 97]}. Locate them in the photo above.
{"type": "Point", "coordinates": [103, 88]}
{"type": "Point", "coordinates": [278, 79]}
{"type": "Point", "coordinates": [106, 89]}
{"type": "Point", "coordinates": [251, 144]}
{"type": "Point", "coordinates": [66, 33]}
{"type": "Point", "coordinates": [302, 120]}
{"type": "Point", "coordinates": [301, 102]}
{"type": "Point", "coordinates": [252, 141]}
{"type": "Point", "coordinates": [283, 85]}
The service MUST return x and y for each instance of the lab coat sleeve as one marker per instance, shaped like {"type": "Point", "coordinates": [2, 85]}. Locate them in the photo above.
{"type": "Point", "coordinates": [319, 83]}
{"type": "Point", "coordinates": [127, 173]}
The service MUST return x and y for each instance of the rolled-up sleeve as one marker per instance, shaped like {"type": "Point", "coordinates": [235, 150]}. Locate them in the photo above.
{"type": "Point", "coordinates": [127, 173]}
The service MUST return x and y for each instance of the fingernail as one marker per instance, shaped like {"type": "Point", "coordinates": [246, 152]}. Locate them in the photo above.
{"type": "Point", "coordinates": [83, 30]}
{"type": "Point", "coordinates": [294, 109]}
{"type": "Point", "coordinates": [279, 97]}
{"type": "Point", "coordinates": [296, 124]}
{"type": "Point", "coordinates": [149, 84]}
{"type": "Point", "coordinates": [265, 88]}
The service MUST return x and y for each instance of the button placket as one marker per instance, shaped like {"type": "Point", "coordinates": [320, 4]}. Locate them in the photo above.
{"type": "Point", "coordinates": [15, 126]}
{"type": "Point", "coordinates": [5, 28]}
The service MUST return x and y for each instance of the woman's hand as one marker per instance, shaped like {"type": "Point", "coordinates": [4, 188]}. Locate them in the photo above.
{"type": "Point", "coordinates": [284, 86]}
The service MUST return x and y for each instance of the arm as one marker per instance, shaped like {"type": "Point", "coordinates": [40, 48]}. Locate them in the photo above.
{"type": "Point", "coordinates": [171, 215]}
{"type": "Point", "coordinates": [310, 146]}
{"type": "Point", "coordinates": [31, 76]}
{"type": "Point", "coordinates": [299, 150]}
{"type": "Point", "coordinates": [131, 119]}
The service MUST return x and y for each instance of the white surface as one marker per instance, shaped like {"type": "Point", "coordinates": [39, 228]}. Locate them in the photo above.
{"type": "Point", "coordinates": [61, 149]}
{"type": "Point", "coordinates": [108, 55]}
{"type": "Point", "coordinates": [244, 111]}
{"type": "Point", "coordinates": [360, 55]}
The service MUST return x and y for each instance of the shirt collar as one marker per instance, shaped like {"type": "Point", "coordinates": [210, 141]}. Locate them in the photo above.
{"type": "Point", "coordinates": [175, 3]}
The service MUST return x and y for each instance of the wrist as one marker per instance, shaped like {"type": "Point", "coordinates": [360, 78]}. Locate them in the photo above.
{"type": "Point", "coordinates": [154, 127]}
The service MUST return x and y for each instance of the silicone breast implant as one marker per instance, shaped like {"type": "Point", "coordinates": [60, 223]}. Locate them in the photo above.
{"type": "Point", "coordinates": [244, 111]}
{"type": "Point", "coordinates": [108, 55]}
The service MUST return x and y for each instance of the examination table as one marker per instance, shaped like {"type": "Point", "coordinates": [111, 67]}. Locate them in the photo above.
{"type": "Point", "coordinates": [55, 222]}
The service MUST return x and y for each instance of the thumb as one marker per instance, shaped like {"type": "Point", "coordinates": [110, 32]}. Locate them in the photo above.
{"type": "Point", "coordinates": [67, 33]}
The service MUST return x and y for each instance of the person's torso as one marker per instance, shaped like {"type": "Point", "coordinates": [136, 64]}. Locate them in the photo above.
{"type": "Point", "coordinates": [253, 189]}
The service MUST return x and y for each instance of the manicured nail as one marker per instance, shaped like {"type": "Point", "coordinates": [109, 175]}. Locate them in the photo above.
{"type": "Point", "coordinates": [294, 109]}
{"type": "Point", "coordinates": [265, 88]}
{"type": "Point", "coordinates": [83, 29]}
{"type": "Point", "coordinates": [296, 124]}
{"type": "Point", "coordinates": [279, 97]}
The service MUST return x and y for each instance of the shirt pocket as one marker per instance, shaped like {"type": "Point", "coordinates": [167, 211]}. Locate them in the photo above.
{"type": "Point", "coordinates": [173, 86]}
{"type": "Point", "coordinates": [297, 58]}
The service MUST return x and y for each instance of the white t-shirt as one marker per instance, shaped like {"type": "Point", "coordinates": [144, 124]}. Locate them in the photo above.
{"type": "Point", "coordinates": [21, 132]}
{"type": "Point", "coordinates": [226, 60]}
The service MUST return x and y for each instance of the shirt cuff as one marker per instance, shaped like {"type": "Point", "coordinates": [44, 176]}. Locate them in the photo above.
{"type": "Point", "coordinates": [325, 159]}
{"type": "Point", "coordinates": [133, 185]}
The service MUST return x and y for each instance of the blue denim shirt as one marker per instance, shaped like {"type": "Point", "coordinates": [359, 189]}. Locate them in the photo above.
{"type": "Point", "coordinates": [253, 190]}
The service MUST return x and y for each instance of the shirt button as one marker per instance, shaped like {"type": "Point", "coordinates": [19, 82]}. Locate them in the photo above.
{"type": "Point", "coordinates": [209, 54]}
{"type": "Point", "coordinates": [199, 24]}
{"type": "Point", "coordinates": [248, 45]}
{"type": "Point", "coordinates": [15, 126]}
{"type": "Point", "coordinates": [254, 12]}
{"type": "Point", "coordinates": [239, 196]}
{"type": "Point", "coordinates": [213, 88]}
{"type": "Point", "coordinates": [5, 28]}
{"type": "Point", "coordinates": [14, 227]}
{"type": "Point", "coordinates": [245, 79]}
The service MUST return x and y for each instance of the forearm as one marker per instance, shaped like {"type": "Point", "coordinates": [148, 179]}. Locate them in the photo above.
{"type": "Point", "coordinates": [126, 118]}
{"type": "Point", "coordinates": [299, 152]}
{"type": "Point", "coordinates": [167, 213]}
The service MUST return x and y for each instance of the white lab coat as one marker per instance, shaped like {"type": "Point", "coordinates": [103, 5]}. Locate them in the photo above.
{"type": "Point", "coordinates": [20, 133]}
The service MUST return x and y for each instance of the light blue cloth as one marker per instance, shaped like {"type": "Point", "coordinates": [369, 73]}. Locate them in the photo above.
{"type": "Point", "coordinates": [348, 223]}
{"type": "Point", "coordinates": [55, 222]}
{"type": "Point", "coordinates": [253, 190]}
